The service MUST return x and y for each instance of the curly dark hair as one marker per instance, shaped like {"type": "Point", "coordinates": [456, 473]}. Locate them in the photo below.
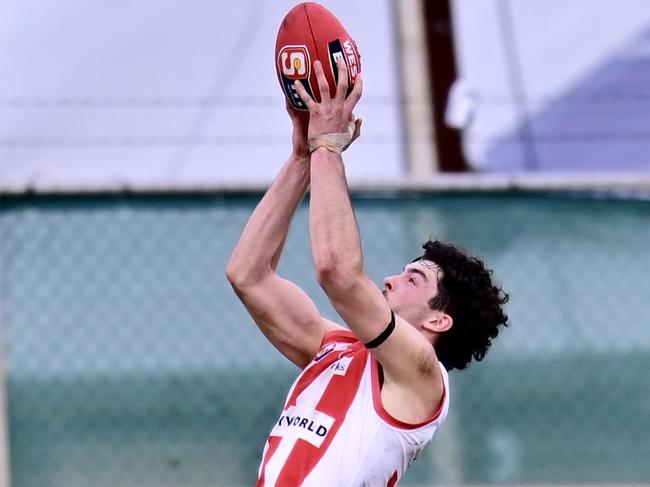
{"type": "Point", "coordinates": [465, 292]}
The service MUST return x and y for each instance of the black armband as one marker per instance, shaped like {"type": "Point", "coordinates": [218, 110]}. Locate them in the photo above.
{"type": "Point", "coordinates": [381, 338]}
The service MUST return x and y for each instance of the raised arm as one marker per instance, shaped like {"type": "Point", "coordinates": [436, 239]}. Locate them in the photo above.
{"type": "Point", "coordinates": [283, 312]}
{"type": "Point", "coordinates": [408, 358]}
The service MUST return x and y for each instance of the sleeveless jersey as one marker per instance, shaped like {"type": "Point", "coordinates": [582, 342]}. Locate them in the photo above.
{"type": "Point", "coordinates": [334, 431]}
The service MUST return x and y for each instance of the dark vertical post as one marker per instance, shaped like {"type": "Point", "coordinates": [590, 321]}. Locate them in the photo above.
{"type": "Point", "coordinates": [442, 73]}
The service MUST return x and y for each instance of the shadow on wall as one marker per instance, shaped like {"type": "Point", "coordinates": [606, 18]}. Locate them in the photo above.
{"type": "Point", "coordinates": [600, 124]}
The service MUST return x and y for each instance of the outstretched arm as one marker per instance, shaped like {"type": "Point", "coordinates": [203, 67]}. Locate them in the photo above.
{"type": "Point", "coordinates": [284, 313]}
{"type": "Point", "coordinates": [408, 359]}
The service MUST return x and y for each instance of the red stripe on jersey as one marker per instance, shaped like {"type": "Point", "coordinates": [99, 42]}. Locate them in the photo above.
{"type": "Point", "coordinates": [314, 371]}
{"type": "Point", "coordinates": [309, 375]}
{"type": "Point", "coordinates": [273, 443]}
{"type": "Point", "coordinates": [335, 402]}
{"type": "Point", "coordinates": [341, 336]}
{"type": "Point", "coordinates": [392, 482]}
{"type": "Point", "coordinates": [385, 415]}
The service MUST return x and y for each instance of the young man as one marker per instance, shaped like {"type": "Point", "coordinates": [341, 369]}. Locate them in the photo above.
{"type": "Point", "coordinates": [369, 397]}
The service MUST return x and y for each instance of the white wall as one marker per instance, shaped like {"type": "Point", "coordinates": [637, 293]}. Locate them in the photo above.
{"type": "Point", "coordinates": [167, 92]}
{"type": "Point", "coordinates": [164, 92]}
{"type": "Point", "coordinates": [560, 46]}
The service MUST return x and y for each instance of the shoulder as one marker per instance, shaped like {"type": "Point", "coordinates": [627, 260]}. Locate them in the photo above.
{"type": "Point", "coordinates": [336, 337]}
{"type": "Point", "coordinates": [424, 404]}
{"type": "Point", "coordinates": [333, 332]}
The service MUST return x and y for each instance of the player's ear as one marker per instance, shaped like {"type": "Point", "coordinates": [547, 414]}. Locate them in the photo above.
{"type": "Point", "coordinates": [439, 323]}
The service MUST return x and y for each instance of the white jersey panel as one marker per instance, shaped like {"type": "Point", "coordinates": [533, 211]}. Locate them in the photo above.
{"type": "Point", "coordinates": [334, 430]}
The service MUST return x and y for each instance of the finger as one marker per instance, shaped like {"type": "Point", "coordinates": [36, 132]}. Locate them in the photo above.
{"type": "Point", "coordinates": [342, 86]}
{"type": "Point", "coordinates": [297, 116]}
{"type": "Point", "coordinates": [323, 86]}
{"type": "Point", "coordinates": [304, 96]}
{"type": "Point", "coordinates": [355, 95]}
{"type": "Point", "coordinates": [288, 107]}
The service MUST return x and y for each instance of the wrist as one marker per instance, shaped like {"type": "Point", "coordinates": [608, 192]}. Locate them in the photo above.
{"type": "Point", "coordinates": [336, 141]}
{"type": "Point", "coordinates": [322, 150]}
{"type": "Point", "coordinates": [324, 155]}
{"type": "Point", "coordinates": [302, 153]}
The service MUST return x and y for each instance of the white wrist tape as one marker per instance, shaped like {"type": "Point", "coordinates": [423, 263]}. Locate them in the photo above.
{"type": "Point", "coordinates": [337, 142]}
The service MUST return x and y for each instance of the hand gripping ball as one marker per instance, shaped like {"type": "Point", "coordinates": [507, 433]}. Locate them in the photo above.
{"type": "Point", "coordinates": [310, 32]}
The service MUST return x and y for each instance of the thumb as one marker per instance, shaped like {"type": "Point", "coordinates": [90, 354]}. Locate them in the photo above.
{"type": "Point", "coordinates": [356, 132]}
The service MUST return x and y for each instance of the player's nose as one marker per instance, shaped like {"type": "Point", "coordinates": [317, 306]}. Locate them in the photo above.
{"type": "Point", "coordinates": [388, 283]}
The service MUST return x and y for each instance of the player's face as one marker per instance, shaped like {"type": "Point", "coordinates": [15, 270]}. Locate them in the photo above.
{"type": "Point", "coordinates": [409, 293]}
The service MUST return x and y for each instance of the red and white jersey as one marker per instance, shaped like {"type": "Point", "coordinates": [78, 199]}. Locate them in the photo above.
{"type": "Point", "coordinates": [334, 430]}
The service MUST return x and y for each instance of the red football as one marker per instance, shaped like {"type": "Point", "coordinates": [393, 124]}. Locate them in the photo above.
{"type": "Point", "coordinates": [310, 32]}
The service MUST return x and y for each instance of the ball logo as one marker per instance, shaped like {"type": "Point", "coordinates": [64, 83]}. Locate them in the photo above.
{"type": "Point", "coordinates": [345, 51]}
{"type": "Point", "coordinates": [351, 55]}
{"type": "Point", "coordinates": [294, 62]}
